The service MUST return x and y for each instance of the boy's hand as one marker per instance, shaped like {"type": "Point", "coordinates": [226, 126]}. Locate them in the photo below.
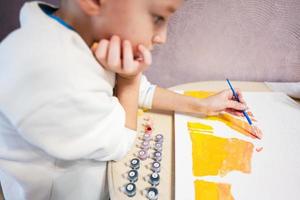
{"type": "Point", "coordinates": [223, 101]}
{"type": "Point", "coordinates": [117, 56]}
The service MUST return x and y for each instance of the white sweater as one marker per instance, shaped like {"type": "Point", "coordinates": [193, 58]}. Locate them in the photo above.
{"type": "Point", "coordinates": [59, 120]}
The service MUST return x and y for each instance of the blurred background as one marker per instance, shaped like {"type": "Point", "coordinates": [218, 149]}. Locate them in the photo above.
{"type": "Point", "coordinates": [248, 40]}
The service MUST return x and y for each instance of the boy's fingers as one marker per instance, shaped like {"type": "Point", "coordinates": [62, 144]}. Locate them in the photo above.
{"type": "Point", "coordinates": [114, 53]}
{"type": "Point", "coordinates": [236, 105]}
{"type": "Point", "coordinates": [109, 54]}
{"type": "Point", "coordinates": [127, 55]}
{"type": "Point", "coordinates": [101, 52]}
{"type": "Point", "coordinates": [240, 95]}
{"type": "Point", "coordinates": [146, 55]}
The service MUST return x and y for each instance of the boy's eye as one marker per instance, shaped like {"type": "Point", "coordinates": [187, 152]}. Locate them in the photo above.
{"type": "Point", "coordinates": [158, 19]}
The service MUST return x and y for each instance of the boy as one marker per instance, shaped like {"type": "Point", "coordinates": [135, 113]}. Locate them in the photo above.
{"type": "Point", "coordinates": [65, 110]}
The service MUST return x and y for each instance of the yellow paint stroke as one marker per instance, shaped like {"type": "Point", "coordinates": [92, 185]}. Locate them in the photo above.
{"type": "Point", "coordinates": [205, 190]}
{"type": "Point", "coordinates": [197, 127]}
{"type": "Point", "coordinates": [236, 123]}
{"type": "Point", "coordinates": [214, 155]}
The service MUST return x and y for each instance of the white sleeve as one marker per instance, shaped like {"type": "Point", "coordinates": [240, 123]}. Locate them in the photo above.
{"type": "Point", "coordinates": [146, 93]}
{"type": "Point", "coordinates": [86, 125]}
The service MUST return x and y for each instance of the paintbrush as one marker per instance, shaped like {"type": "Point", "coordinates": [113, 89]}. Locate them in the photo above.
{"type": "Point", "coordinates": [244, 112]}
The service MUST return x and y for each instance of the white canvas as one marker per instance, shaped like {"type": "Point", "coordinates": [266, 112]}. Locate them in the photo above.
{"type": "Point", "coordinates": [275, 171]}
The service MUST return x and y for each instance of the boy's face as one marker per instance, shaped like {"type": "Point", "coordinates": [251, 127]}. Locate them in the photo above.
{"type": "Point", "coordinates": [139, 21]}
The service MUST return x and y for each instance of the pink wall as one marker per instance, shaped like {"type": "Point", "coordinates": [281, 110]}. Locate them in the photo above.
{"type": "Point", "coordinates": [9, 15]}
{"type": "Point", "coordinates": [249, 40]}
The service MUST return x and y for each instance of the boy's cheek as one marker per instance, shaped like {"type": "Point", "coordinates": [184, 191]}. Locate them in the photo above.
{"type": "Point", "coordinates": [137, 35]}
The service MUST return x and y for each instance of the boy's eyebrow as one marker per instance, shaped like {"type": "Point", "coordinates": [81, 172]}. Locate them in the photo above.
{"type": "Point", "coordinates": [165, 6]}
{"type": "Point", "coordinates": [171, 9]}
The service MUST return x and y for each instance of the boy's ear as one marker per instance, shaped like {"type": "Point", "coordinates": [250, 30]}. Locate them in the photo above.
{"type": "Point", "coordinates": [91, 7]}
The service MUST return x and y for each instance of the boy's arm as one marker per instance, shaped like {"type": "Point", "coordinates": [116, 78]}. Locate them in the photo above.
{"type": "Point", "coordinates": [167, 100]}
{"type": "Point", "coordinates": [127, 91]}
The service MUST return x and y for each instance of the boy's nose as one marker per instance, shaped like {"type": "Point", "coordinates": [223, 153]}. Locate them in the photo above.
{"type": "Point", "coordinates": [160, 38]}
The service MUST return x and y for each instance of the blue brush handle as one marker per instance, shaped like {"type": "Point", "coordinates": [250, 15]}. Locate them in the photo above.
{"type": "Point", "coordinates": [237, 98]}
{"type": "Point", "coordinates": [247, 117]}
